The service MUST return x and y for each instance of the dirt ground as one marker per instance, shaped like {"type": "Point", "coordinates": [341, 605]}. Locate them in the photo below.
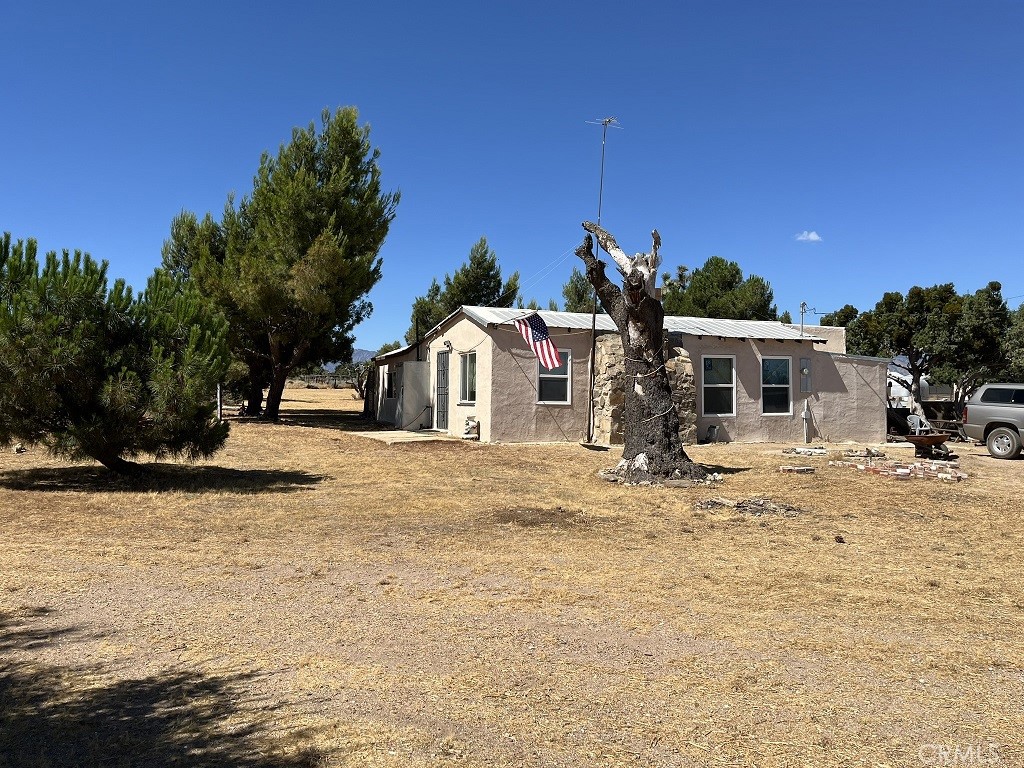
{"type": "Point", "coordinates": [312, 597]}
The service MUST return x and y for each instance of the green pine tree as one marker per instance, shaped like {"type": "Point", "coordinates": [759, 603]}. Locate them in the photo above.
{"type": "Point", "coordinates": [427, 311]}
{"type": "Point", "coordinates": [718, 289]}
{"type": "Point", "coordinates": [579, 293]}
{"type": "Point", "coordinates": [917, 330]}
{"type": "Point", "coordinates": [978, 354]}
{"type": "Point", "coordinates": [291, 264]}
{"type": "Point", "coordinates": [88, 370]}
{"type": "Point", "coordinates": [1013, 346]}
{"type": "Point", "coordinates": [477, 282]}
{"type": "Point", "coordinates": [841, 318]}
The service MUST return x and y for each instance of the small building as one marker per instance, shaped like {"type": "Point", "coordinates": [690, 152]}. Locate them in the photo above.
{"type": "Point", "coordinates": [747, 381]}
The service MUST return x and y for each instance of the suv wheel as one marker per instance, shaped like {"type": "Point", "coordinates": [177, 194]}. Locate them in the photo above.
{"type": "Point", "coordinates": [1003, 443]}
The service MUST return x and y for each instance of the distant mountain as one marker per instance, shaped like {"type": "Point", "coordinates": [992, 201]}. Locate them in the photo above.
{"type": "Point", "coordinates": [358, 356]}
{"type": "Point", "coordinates": [362, 355]}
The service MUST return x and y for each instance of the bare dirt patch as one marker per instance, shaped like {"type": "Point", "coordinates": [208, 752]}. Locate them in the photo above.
{"type": "Point", "coordinates": [311, 597]}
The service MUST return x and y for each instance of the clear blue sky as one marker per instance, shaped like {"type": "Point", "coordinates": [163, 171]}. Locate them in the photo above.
{"type": "Point", "coordinates": [894, 131]}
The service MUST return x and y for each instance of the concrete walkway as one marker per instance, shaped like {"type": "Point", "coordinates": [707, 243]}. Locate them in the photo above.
{"type": "Point", "coordinates": [393, 436]}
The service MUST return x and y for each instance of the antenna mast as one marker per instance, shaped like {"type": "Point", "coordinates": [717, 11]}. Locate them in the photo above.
{"type": "Point", "coordinates": [604, 123]}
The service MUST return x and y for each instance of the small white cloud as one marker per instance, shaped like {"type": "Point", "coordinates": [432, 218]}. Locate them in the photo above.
{"type": "Point", "coordinates": [808, 237]}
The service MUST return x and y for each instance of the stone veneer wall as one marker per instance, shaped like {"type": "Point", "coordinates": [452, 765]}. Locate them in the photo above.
{"type": "Point", "coordinates": [610, 394]}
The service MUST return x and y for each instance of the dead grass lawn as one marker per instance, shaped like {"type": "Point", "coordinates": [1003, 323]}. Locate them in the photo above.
{"type": "Point", "coordinates": [311, 597]}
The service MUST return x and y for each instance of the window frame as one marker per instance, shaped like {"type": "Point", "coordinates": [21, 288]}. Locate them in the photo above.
{"type": "Point", "coordinates": [464, 399]}
{"type": "Point", "coordinates": [731, 386]}
{"type": "Point", "coordinates": [543, 373]}
{"type": "Point", "coordinates": [389, 382]}
{"type": "Point", "coordinates": [788, 385]}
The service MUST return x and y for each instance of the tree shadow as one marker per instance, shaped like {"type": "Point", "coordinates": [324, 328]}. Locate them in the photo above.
{"type": "Point", "coordinates": [59, 716]}
{"type": "Point", "coordinates": [15, 635]}
{"type": "Point", "coordinates": [325, 418]}
{"type": "Point", "coordinates": [716, 468]}
{"type": "Point", "coordinates": [159, 477]}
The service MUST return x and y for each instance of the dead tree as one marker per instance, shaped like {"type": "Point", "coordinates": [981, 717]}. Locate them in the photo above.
{"type": "Point", "coordinates": [653, 451]}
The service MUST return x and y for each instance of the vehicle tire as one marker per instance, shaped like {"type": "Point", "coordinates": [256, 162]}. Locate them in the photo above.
{"type": "Point", "coordinates": [1003, 443]}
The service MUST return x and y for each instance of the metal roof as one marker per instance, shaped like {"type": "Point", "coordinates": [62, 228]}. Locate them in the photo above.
{"type": "Point", "coordinates": [689, 326]}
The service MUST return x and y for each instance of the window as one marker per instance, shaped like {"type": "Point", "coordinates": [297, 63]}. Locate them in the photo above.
{"type": "Point", "coordinates": [1002, 395]}
{"type": "Point", "coordinates": [389, 383]}
{"type": "Point", "coordinates": [554, 386]}
{"type": "Point", "coordinates": [775, 377]}
{"type": "Point", "coordinates": [718, 390]}
{"type": "Point", "coordinates": [467, 387]}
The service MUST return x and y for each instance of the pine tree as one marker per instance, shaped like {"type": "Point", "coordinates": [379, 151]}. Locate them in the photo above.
{"type": "Point", "coordinates": [89, 370]}
{"type": "Point", "coordinates": [1013, 346]}
{"type": "Point", "coordinates": [978, 354]}
{"type": "Point", "coordinates": [841, 318]}
{"type": "Point", "coordinates": [579, 293]}
{"type": "Point", "coordinates": [299, 254]}
{"type": "Point", "coordinates": [476, 283]}
{"type": "Point", "coordinates": [718, 289]}
{"type": "Point", "coordinates": [916, 330]}
{"type": "Point", "coordinates": [427, 311]}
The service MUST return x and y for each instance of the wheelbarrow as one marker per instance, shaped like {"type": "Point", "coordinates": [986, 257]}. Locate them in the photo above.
{"type": "Point", "coordinates": [930, 446]}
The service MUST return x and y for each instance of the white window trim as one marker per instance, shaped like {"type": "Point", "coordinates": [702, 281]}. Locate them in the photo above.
{"type": "Point", "coordinates": [732, 386]}
{"type": "Point", "coordinates": [463, 356]}
{"type": "Point", "coordinates": [789, 387]}
{"type": "Point", "coordinates": [543, 372]}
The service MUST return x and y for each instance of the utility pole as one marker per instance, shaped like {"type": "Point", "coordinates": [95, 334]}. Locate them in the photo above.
{"type": "Point", "coordinates": [604, 123]}
{"type": "Point", "coordinates": [804, 309]}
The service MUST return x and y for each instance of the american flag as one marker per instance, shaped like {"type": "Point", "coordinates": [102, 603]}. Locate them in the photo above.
{"type": "Point", "coordinates": [535, 331]}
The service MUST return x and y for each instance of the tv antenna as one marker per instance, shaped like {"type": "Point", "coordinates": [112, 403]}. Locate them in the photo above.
{"type": "Point", "coordinates": [605, 123]}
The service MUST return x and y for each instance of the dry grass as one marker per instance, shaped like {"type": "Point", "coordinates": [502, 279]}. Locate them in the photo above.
{"type": "Point", "coordinates": [313, 597]}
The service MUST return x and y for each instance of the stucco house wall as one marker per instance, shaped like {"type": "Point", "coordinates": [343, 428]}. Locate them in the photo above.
{"type": "Point", "coordinates": [464, 337]}
{"type": "Point", "coordinates": [846, 394]}
{"type": "Point", "coordinates": [849, 403]}
{"type": "Point", "coordinates": [386, 408]}
{"type": "Point", "coordinates": [835, 336]}
{"type": "Point", "coordinates": [517, 416]}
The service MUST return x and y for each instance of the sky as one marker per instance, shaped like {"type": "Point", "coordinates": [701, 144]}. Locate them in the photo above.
{"type": "Point", "coordinates": [838, 149]}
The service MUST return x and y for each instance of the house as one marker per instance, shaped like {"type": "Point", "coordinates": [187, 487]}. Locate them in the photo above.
{"type": "Point", "coordinates": [750, 381]}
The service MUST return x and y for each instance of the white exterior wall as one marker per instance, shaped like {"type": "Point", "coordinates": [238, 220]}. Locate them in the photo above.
{"type": "Point", "coordinates": [464, 336]}
{"type": "Point", "coordinates": [403, 406]}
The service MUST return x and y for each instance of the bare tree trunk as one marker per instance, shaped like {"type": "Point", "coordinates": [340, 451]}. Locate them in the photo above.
{"type": "Point", "coordinates": [653, 450]}
{"type": "Point", "coordinates": [112, 460]}
{"type": "Point", "coordinates": [253, 397]}
{"type": "Point", "coordinates": [274, 394]}
{"type": "Point", "coordinates": [280, 369]}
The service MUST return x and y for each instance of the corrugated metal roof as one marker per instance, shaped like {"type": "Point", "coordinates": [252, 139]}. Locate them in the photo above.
{"type": "Point", "coordinates": [395, 352]}
{"type": "Point", "coordinates": [690, 326]}
{"type": "Point", "coordinates": [498, 316]}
